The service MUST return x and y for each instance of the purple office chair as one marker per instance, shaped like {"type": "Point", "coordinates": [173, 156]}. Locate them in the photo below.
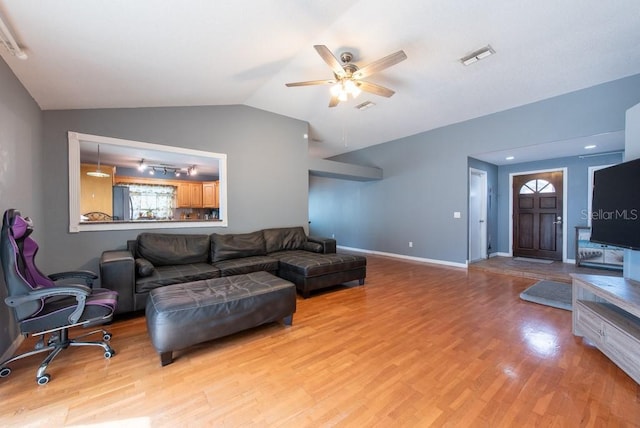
{"type": "Point", "coordinates": [49, 304]}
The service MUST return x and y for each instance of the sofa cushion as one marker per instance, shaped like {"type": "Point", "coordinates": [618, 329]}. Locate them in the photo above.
{"type": "Point", "coordinates": [314, 247]}
{"type": "Point", "coordinates": [284, 238]}
{"type": "Point", "coordinates": [165, 249]}
{"type": "Point", "coordinates": [168, 275]}
{"type": "Point", "coordinates": [247, 265]}
{"type": "Point", "coordinates": [144, 267]}
{"type": "Point", "coordinates": [237, 245]}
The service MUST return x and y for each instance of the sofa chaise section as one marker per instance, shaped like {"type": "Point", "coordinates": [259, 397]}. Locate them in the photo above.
{"type": "Point", "coordinates": [312, 263]}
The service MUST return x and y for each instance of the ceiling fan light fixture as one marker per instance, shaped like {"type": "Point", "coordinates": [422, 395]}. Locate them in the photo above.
{"type": "Point", "coordinates": [477, 55]}
{"type": "Point", "coordinates": [352, 88]}
{"type": "Point", "coordinates": [347, 76]}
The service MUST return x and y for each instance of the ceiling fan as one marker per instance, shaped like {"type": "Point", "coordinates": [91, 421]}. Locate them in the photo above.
{"type": "Point", "coordinates": [348, 76]}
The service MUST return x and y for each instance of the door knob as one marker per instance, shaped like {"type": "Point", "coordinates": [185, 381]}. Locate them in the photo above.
{"type": "Point", "coordinates": [559, 218]}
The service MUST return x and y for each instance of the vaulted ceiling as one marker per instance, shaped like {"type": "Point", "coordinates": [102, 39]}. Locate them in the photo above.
{"type": "Point", "coordinates": [121, 53]}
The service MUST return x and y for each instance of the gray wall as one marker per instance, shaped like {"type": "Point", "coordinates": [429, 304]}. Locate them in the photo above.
{"type": "Point", "coordinates": [425, 175]}
{"type": "Point", "coordinates": [576, 197]}
{"type": "Point", "coordinates": [266, 168]}
{"type": "Point", "coordinates": [21, 165]}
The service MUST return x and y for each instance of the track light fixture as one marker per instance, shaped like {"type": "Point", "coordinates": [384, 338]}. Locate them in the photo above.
{"type": "Point", "coordinates": [142, 166]}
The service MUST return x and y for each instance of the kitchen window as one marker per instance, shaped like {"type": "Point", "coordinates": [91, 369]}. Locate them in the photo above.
{"type": "Point", "coordinates": [150, 201]}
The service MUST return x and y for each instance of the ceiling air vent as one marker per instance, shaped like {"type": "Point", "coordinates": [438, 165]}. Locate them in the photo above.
{"type": "Point", "coordinates": [477, 55]}
{"type": "Point", "coordinates": [365, 105]}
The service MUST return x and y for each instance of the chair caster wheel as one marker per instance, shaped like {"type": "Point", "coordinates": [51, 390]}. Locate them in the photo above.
{"type": "Point", "coordinates": [109, 354]}
{"type": "Point", "coordinates": [44, 379]}
{"type": "Point", "coordinates": [106, 337]}
{"type": "Point", "coordinates": [5, 371]}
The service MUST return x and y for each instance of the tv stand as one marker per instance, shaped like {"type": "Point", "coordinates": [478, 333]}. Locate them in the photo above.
{"type": "Point", "coordinates": [606, 310]}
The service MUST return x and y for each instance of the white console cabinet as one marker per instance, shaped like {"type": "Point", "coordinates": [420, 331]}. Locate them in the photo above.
{"type": "Point", "coordinates": [606, 310]}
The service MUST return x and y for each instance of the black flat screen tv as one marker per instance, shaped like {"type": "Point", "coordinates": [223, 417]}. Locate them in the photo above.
{"type": "Point", "coordinates": [615, 208]}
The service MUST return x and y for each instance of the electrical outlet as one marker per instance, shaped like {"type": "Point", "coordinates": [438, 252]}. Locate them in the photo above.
{"type": "Point", "coordinates": [410, 244]}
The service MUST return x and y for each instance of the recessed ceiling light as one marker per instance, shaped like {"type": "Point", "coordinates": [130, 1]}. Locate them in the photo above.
{"type": "Point", "coordinates": [590, 146]}
{"type": "Point", "coordinates": [477, 55]}
{"type": "Point", "coordinates": [510, 158]}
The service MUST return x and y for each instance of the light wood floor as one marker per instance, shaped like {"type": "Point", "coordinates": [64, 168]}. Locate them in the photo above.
{"type": "Point", "coordinates": [419, 345]}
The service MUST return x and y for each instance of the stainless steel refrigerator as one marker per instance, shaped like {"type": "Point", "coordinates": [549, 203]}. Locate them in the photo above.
{"type": "Point", "coordinates": [122, 205]}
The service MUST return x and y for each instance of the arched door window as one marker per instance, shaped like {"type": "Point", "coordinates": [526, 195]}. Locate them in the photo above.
{"type": "Point", "coordinates": [537, 186]}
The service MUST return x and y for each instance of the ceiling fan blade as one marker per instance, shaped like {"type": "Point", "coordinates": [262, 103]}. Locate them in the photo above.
{"type": "Point", "coordinates": [312, 82]}
{"type": "Point", "coordinates": [375, 89]}
{"type": "Point", "coordinates": [330, 59]}
{"type": "Point", "coordinates": [380, 64]}
{"type": "Point", "coordinates": [334, 101]}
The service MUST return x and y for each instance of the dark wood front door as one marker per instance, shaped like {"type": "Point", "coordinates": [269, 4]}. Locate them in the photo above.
{"type": "Point", "coordinates": [537, 215]}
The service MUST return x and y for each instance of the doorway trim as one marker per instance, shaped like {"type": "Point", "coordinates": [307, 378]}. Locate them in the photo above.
{"type": "Point", "coordinates": [565, 178]}
{"type": "Point", "coordinates": [483, 217]}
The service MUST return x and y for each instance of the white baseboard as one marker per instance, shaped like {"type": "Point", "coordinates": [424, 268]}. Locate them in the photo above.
{"type": "Point", "coordinates": [499, 254]}
{"type": "Point", "coordinates": [404, 257]}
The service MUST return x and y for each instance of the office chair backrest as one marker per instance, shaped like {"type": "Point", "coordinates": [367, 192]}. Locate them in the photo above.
{"type": "Point", "coordinates": [19, 276]}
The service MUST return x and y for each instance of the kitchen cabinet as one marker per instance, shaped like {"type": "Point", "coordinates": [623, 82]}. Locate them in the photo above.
{"type": "Point", "coordinates": [196, 194]}
{"type": "Point", "coordinates": [210, 194]}
{"type": "Point", "coordinates": [96, 193]}
{"type": "Point", "coordinates": [189, 195]}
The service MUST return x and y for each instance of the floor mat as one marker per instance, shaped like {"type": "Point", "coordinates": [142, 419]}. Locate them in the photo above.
{"type": "Point", "coordinates": [549, 293]}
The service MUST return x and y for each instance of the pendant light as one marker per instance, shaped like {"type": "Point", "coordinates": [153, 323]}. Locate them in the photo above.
{"type": "Point", "coordinates": [98, 172]}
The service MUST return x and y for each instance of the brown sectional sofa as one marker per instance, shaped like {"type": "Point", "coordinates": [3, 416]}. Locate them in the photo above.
{"type": "Point", "coordinates": [155, 260]}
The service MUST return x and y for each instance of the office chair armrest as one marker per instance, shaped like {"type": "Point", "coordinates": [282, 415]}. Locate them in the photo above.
{"type": "Point", "coordinates": [80, 291]}
{"type": "Point", "coordinates": [86, 275]}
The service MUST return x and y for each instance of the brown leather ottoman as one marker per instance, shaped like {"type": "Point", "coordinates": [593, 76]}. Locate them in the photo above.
{"type": "Point", "coordinates": [182, 315]}
{"type": "Point", "coordinates": [314, 271]}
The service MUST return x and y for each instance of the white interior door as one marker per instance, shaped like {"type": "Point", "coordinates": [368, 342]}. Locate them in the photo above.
{"type": "Point", "coordinates": [477, 214]}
